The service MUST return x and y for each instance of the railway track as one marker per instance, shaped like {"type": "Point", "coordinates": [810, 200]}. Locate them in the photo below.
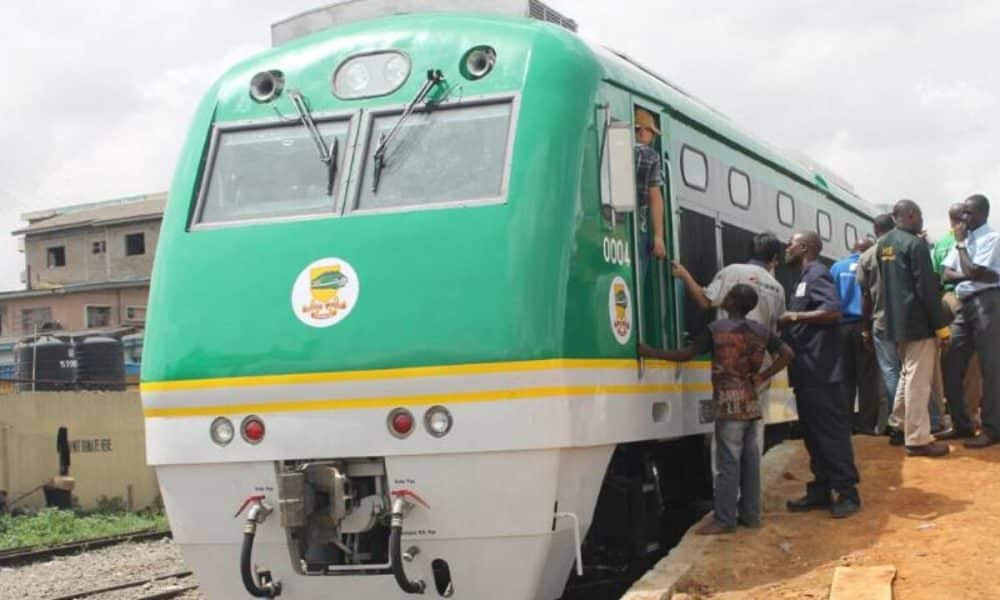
{"type": "Point", "coordinates": [22, 556]}
{"type": "Point", "coordinates": [157, 595]}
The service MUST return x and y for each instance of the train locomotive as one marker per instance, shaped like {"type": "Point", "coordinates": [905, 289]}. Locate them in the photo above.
{"type": "Point", "coordinates": [395, 306]}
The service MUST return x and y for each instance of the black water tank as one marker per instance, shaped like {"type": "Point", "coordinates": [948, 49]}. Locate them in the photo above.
{"type": "Point", "coordinates": [102, 363]}
{"type": "Point", "coordinates": [48, 360]}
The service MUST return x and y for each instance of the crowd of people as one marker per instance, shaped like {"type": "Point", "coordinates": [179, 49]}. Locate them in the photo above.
{"type": "Point", "coordinates": [896, 315]}
{"type": "Point", "coordinates": [920, 323]}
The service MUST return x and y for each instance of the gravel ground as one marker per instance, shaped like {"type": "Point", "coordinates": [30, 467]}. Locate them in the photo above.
{"type": "Point", "coordinates": [96, 569]}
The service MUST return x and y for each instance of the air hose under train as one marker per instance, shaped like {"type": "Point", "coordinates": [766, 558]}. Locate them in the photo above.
{"type": "Point", "coordinates": [258, 586]}
{"type": "Point", "coordinates": [399, 505]}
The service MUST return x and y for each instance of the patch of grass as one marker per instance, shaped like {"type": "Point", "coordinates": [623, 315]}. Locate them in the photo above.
{"type": "Point", "coordinates": [51, 526]}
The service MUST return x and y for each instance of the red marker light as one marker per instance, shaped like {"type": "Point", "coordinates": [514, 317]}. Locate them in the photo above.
{"type": "Point", "coordinates": [253, 430]}
{"type": "Point", "coordinates": [400, 422]}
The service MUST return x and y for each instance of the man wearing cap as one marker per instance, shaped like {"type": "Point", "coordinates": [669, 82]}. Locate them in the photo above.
{"type": "Point", "coordinates": [648, 180]}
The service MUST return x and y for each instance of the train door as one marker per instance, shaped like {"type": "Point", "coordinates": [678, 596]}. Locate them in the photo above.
{"type": "Point", "coordinates": [655, 282]}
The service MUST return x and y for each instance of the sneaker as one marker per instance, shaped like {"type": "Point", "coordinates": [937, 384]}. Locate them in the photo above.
{"type": "Point", "coordinates": [954, 434]}
{"type": "Point", "coordinates": [982, 440]}
{"type": "Point", "coordinates": [807, 503]}
{"type": "Point", "coordinates": [896, 437]}
{"type": "Point", "coordinates": [931, 450]}
{"type": "Point", "coordinates": [714, 527]}
{"type": "Point", "coordinates": [844, 507]}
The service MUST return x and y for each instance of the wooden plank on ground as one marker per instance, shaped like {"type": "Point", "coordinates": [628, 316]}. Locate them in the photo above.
{"type": "Point", "coordinates": [862, 583]}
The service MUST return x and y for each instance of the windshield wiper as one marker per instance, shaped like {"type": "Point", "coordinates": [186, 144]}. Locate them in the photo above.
{"type": "Point", "coordinates": [327, 155]}
{"type": "Point", "coordinates": [434, 77]}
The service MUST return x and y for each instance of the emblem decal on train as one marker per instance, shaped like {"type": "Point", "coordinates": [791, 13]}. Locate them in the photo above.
{"type": "Point", "coordinates": [325, 292]}
{"type": "Point", "coordinates": [620, 310]}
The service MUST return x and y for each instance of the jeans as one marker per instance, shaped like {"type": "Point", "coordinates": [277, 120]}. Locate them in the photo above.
{"type": "Point", "coordinates": [737, 481]}
{"type": "Point", "coordinates": [889, 364]}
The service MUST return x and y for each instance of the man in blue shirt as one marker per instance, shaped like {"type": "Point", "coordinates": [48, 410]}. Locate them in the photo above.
{"type": "Point", "coordinates": [861, 376]}
{"type": "Point", "coordinates": [973, 264]}
{"type": "Point", "coordinates": [810, 328]}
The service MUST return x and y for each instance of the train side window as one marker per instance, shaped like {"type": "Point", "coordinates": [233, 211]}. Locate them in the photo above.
{"type": "Point", "coordinates": [736, 244]}
{"type": "Point", "coordinates": [698, 254]}
{"type": "Point", "coordinates": [739, 188]}
{"type": "Point", "coordinates": [694, 168]}
{"type": "Point", "coordinates": [786, 209]}
{"type": "Point", "coordinates": [850, 236]}
{"type": "Point", "coordinates": [824, 225]}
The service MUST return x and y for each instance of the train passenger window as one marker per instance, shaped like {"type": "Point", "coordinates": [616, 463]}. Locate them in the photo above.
{"type": "Point", "coordinates": [824, 225]}
{"type": "Point", "coordinates": [447, 155]}
{"type": "Point", "coordinates": [786, 209]}
{"type": "Point", "coordinates": [698, 254]}
{"type": "Point", "coordinates": [270, 172]}
{"type": "Point", "coordinates": [694, 168]}
{"type": "Point", "coordinates": [736, 244]}
{"type": "Point", "coordinates": [739, 188]}
{"type": "Point", "coordinates": [850, 236]}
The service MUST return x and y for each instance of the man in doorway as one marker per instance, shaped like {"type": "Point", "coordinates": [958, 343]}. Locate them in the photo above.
{"type": "Point", "coordinates": [860, 372]}
{"type": "Point", "coordinates": [648, 179]}
{"type": "Point", "coordinates": [974, 266]}
{"type": "Point", "coordinates": [915, 322]}
{"type": "Point", "coordinates": [816, 375]}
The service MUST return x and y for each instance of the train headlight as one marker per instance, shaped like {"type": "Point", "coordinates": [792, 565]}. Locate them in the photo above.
{"type": "Point", "coordinates": [252, 429]}
{"type": "Point", "coordinates": [400, 422]}
{"type": "Point", "coordinates": [396, 70]}
{"type": "Point", "coordinates": [478, 62]}
{"type": "Point", "coordinates": [222, 431]}
{"type": "Point", "coordinates": [437, 421]}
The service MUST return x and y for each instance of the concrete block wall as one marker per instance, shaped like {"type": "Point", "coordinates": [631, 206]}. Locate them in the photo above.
{"type": "Point", "coordinates": [107, 441]}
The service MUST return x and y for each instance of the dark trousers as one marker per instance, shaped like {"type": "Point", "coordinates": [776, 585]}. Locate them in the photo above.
{"type": "Point", "coordinates": [826, 430]}
{"type": "Point", "coordinates": [861, 378]}
{"type": "Point", "coordinates": [976, 328]}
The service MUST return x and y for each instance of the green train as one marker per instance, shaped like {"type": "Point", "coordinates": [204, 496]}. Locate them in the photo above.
{"type": "Point", "coordinates": [394, 311]}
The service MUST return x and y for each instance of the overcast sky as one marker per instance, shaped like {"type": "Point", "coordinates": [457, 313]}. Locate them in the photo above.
{"type": "Point", "coordinates": [900, 98]}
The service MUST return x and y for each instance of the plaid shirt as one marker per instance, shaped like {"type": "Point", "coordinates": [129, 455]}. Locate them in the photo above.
{"type": "Point", "coordinates": [647, 175]}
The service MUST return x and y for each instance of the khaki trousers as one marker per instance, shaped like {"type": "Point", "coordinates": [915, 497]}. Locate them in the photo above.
{"type": "Point", "coordinates": [909, 413]}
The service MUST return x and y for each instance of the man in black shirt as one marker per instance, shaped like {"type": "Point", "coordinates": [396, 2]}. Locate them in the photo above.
{"type": "Point", "coordinates": [816, 374]}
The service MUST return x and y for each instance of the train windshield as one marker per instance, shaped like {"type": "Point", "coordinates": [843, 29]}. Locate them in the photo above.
{"type": "Point", "coordinates": [438, 156]}
{"type": "Point", "coordinates": [270, 172]}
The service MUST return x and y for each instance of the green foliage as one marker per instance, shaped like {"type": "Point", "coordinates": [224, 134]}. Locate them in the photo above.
{"type": "Point", "coordinates": [51, 526]}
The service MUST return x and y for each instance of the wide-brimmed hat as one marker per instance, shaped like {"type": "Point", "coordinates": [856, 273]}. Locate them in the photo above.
{"type": "Point", "coordinates": [644, 118]}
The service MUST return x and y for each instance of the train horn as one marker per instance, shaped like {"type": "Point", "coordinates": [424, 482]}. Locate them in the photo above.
{"type": "Point", "coordinates": [267, 85]}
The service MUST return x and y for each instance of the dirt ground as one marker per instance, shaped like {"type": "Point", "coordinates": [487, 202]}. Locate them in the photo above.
{"type": "Point", "coordinates": [936, 520]}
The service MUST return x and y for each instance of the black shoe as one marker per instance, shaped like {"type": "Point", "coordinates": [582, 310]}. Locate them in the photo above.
{"type": "Point", "coordinates": [807, 503]}
{"type": "Point", "coordinates": [931, 450]}
{"type": "Point", "coordinates": [954, 434]}
{"type": "Point", "coordinates": [896, 437]}
{"type": "Point", "coordinates": [982, 440]}
{"type": "Point", "coordinates": [844, 507]}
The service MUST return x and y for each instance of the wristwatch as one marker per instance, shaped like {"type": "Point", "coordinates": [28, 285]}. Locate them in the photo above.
{"type": "Point", "coordinates": [795, 317]}
{"type": "Point", "coordinates": [960, 245]}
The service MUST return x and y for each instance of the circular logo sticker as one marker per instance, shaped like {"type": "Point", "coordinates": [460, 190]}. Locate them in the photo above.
{"type": "Point", "coordinates": [620, 310]}
{"type": "Point", "coordinates": [325, 292]}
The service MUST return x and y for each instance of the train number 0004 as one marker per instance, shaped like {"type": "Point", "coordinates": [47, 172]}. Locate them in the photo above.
{"type": "Point", "coordinates": [616, 252]}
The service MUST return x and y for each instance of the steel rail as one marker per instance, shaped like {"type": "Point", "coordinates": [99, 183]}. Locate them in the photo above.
{"type": "Point", "coordinates": [21, 556]}
{"type": "Point", "coordinates": [125, 586]}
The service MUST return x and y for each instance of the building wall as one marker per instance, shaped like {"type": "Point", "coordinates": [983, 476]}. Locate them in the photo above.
{"type": "Point", "coordinates": [70, 309]}
{"type": "Point", "coordinates": [107, 441]}
{"type": "Point", "coordinates": [82, 265]}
